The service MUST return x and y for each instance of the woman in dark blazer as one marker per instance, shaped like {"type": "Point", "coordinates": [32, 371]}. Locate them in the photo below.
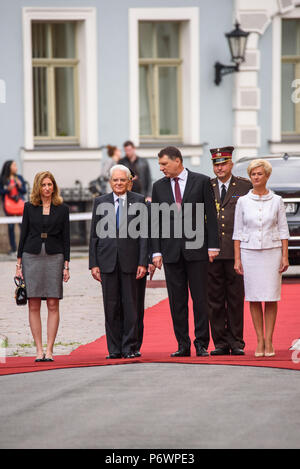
{"type": "Point", "coordinates": [43, 257]}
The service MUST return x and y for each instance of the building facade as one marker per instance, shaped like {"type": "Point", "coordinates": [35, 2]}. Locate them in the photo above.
{"type": "Point", "coordinates": [77, 75]}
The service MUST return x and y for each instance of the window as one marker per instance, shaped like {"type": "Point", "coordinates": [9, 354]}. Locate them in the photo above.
{"type": "Point", "coordinates": [55, 63]}
{"type": "Point", "coordinates": [159, 80]}
{"type": "Point", "coordinates": [290, 70]}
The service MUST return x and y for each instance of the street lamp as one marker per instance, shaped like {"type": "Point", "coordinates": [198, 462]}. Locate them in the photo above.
{"type": "Point", "coordinates": [237, 40]}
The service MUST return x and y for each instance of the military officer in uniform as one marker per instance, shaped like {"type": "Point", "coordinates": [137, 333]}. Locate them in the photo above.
{"type": "Point", "coordinates": [226, 289]}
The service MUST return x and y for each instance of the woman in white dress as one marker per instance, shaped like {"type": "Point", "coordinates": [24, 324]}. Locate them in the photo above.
{"type": "Point", "coordinates": [261, 252]}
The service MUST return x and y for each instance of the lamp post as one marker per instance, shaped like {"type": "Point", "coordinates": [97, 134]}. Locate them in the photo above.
{"type": "Point", "coordinates": [237, 40]}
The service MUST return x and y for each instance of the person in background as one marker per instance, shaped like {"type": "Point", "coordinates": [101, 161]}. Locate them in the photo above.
{"type": "Point", "coordinates": [12, 184]}
{"type": "Point", "coordinates": [261, 252]}
{"type": "Point", "coordinates": [43, 257]}
{"type": "Point", "coordinates": [101, 185]}
{"type": "Point", "coordinates": [142, 183]}
{"type": "Point", "coordinates": [225, 286]}
{"type": "Point", "coordinates": [114, 154]}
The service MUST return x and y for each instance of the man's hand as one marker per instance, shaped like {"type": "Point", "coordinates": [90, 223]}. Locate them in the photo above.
{"type": "Point", "coordinates": [212, 255]}
{"type": "Point", "coordinates": [96, 273]}
{"type": "Point", "coordinates": [157, 262]}
{"type": "Point", "coordinates": [141, 272]}
{"type": "Point", "coordinates": [151, 270]}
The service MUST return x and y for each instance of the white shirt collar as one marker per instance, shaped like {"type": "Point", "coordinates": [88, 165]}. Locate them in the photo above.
{"type": "Point", "coordinates": [123, 196]}
{"type": "Point", "coordinates": [225, 183]}
{"type": "Point", "coordinates": [183, 175]}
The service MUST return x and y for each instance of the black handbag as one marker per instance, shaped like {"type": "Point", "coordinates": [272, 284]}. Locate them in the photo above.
{"type": "Point", "coordinates": [20, 292]}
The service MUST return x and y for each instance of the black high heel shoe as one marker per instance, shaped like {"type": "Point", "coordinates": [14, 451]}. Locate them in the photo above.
{"type": "Point", "coordinates": [37, 360]}
{"type": "Point", "coordinates": [48, 359]}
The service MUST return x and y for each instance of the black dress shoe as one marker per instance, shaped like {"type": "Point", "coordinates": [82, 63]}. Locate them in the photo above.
{"type": "Point", "coordinates": [113, 356]}
{"type": "Point", "coordinates": [220, 351]}
{"type": "Point", "coordinates": [237, 351]}
{"type": "Point", "coordinates": [181, 353]}
{"type": "Point", "coordinates": [129, 355]}
{"type": "Point", "coordinates": [201, 351]}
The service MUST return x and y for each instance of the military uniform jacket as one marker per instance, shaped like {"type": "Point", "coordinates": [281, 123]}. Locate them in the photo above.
{"type": "Point", "coordinates": [238, 187]}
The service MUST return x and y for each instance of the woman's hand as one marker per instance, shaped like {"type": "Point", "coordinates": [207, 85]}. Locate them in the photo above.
{"type": "Point", "coordinates": [284, 265]}
{"type": "Point", "coordinates": [66, 275]}
{"type": "Point", "coordinates": [19, 272]}
{"type": "Point", "coordinates": [238, 267]}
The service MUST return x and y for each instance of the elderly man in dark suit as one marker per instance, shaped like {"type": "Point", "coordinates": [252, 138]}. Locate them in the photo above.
{"type": "Point", "coordinates": [185, 264]}
{"type": "Point", "coordinates": [117, 259]}
{"type": "Point", "coordinates": [226, 287]}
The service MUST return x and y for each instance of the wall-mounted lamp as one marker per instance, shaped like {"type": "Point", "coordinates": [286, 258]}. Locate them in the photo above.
{"type": "Point", "coordinates": [237, 40]}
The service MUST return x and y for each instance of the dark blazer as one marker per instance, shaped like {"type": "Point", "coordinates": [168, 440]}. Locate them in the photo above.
{"type": "Point", "coordinates": [58, 230]}
{"type": "Point", "coordinates": [197, 190]}
{"type": "Point", "coordinates": [238, 187]}
{"type": "Point", "coordinates": [105, 252]}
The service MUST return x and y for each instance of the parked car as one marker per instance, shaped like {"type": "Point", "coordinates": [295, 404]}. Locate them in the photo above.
{"type": "Point", "coordinates": [284, 181]}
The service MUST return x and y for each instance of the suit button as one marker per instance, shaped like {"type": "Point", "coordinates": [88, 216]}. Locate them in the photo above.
{"type": "Point", "coordinates": [223, 216]}
{"type": "Point", "coordinates": [223, 233]}
{"type": "Point", "coordinates": [223, 225]}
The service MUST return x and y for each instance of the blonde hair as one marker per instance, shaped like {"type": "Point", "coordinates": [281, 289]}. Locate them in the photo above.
{"type": "Point", "coordinates": [35, 196]}
{"type": "Point", "coordinates": [260, 162]}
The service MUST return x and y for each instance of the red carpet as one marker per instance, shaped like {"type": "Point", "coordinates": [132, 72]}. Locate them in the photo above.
{"type": "Point", "coordinates": [159, 342]}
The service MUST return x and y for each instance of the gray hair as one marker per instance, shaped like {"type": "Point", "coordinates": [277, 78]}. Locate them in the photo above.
{"type": "Point", "coordinates": [120, 167]}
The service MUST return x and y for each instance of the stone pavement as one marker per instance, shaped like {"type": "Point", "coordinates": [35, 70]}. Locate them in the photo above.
{"type": "Point", "coordinates": [81, 310]}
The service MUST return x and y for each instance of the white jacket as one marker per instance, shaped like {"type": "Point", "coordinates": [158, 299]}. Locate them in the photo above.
{"type": "Point", "coordinates": [260, 222]}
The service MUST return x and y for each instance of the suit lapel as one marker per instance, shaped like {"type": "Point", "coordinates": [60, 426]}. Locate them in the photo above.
{"type": "Point", "coordinates": [215, 186]}
{"type": "Point", "coordinates": [231, 191]}
{"type": "Point", "coordinates": [188, 186]}
{"type": "Point", "coordinates": [169, 196]}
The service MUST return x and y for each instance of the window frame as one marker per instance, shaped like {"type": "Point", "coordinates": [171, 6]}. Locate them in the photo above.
{"type": "Point", "coordinates": [86, 20]}
{"type": "Point", "coordinates": [190, 72]}
{"type": "Point", "coordinates": [157, 62]}
{"type": "Point", "coordinates": [295, 60]}
{"type": "Point", "coordinates": [50, 64]}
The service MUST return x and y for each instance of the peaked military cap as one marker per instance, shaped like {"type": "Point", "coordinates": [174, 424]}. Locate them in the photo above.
{"type": "Point", "coordinates": [221, 155]}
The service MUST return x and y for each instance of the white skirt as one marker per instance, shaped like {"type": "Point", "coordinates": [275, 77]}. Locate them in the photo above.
{"type": "Point", "coordinates": [261, 277]}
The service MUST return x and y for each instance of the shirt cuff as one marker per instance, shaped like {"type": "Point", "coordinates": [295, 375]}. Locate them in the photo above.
{"type": "Point", "coordinates": [156, 254]}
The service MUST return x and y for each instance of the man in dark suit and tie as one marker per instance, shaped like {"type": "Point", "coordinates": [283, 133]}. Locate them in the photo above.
{"type": "Point", "coordinates": [117, 261]}
{"type": "Point", "coordinates": [186, 264]}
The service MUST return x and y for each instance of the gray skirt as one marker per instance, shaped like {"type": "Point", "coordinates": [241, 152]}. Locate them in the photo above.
{"type": "Point", "coordinates": [43, 274]}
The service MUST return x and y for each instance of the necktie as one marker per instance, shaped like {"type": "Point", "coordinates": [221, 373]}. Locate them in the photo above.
{"type": "Point", "coordinates": [223, 192]}
{"type": "Point", "coordinates": [178, 197]}
{"type": "Point", "coordinates": [118, 213]}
